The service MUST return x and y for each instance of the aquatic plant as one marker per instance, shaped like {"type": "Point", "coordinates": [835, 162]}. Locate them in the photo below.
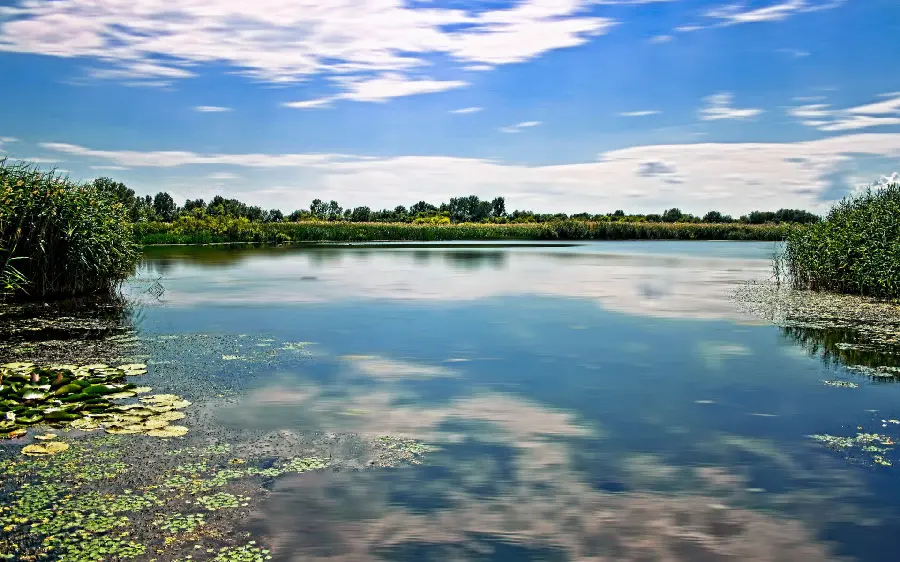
{"type": "Point", "coordinates": [855, 250]}
{"type": "Point", "coordinates": [59, 237]}
{"type": "Point", "coordinates": [85, 398]}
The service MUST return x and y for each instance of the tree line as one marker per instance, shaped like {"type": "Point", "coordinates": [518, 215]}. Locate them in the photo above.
{"type": "Point", "coordinates": [162, 208]}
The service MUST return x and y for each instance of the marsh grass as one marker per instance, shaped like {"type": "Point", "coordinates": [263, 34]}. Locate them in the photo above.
{"type": "Point", "coordinates": [218, 230]}
{"type": "Point", "coordinates": [59, 237]}
{"type": "Point", "coordinates": [855, 250]}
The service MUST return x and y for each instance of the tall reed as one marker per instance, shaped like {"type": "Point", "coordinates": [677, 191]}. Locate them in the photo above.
{"type": "Point", "coordinates": [856, 249]}
{"type": "Point", "coordinates": [59, 237]}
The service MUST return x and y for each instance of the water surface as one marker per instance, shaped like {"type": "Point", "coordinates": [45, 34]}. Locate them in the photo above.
{"type": "Point", "coordinates": [602, 401]}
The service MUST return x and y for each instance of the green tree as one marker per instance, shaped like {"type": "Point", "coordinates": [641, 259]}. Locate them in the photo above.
{"type": "Point", "coordinates": [672, 215]}
{"type": "Point", "coordinates": [498, 207]}
{"type": "Point", "coordinates": [318, 209]}
{"type": "Point", "coordinates": [164, 206]}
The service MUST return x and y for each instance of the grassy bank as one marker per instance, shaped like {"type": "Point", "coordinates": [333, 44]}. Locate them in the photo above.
{"type": "Point", "coordinates": [241, 230]}
{"type": "Point", "coordinates": [59, 237]}
{"type": "Point", "coordinates": [856, 250]}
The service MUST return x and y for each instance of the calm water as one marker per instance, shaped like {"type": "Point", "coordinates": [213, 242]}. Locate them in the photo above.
{"type": "Point", "coordinates": [600, 401]}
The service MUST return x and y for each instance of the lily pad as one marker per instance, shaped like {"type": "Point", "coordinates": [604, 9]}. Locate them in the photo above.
{"type": "Point", "coordinates": [46, 437]}
{"type": "Point", "coordinates": [45, 449]}
{"type": "Point", "coordinates": [169, 431]}
{"type": "Point", "coordinates": [168, 416]}
{"type": "Point", "coordinates": [141, 390]}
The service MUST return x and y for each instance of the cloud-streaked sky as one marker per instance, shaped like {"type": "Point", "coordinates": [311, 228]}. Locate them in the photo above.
{"type": "Point", "coordinates": [559, 105]}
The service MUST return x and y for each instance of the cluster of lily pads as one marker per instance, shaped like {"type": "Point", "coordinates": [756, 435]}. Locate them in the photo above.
{"type": "Point", "coordinates": [155, 506]}
{"type": "Point", "coordinates": [876, 445]}
{"type": "Point", "coordinates": [85, 398]}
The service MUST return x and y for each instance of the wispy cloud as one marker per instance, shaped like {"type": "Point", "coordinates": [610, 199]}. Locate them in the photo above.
{"type": "Point", "coordinates": [211, 109]}
{"type": "Point", "coordinates": [779, 11]}
{"type": "Point", "coordinates": [794, 53]}
{"type": "Point", "coordinates": [642, 113]}
{"type": "Point", "coordinates": [466, 110]}
{"type": "Point", "coordinates": [719, 106]}
{"type": "Point", "coordinates": [740, 13]}
{"type": "Point", "coordinates": [659, 39]}
{"type": "Point", "coordinates": [278, 42]}
{"type": "Point", "coordinates": [824, 118]}
{"type": "Point", "coordinates": [111, 168]}
{"type": "Point", "coordinates": [380, 89]}
{"type": "Point", "coordinates": [518, 127]}
{"type": "Point", "coordinates": [222, 176]}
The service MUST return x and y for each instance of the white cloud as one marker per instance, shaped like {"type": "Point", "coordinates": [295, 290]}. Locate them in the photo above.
{"type": "Point", "coordinates": [114, 168]}
{"type": "Point", "coordinates": [211, 108]}
{"type": "Point", "coordinates": [877, 114]}
{"type": "Point", "coordinates": [730, 177]}
{"type": "Point", "coordinates": [466, 110]}
{"type": "Point", "coordinates": [222, 176]}
{"type": "Point", "coordinates": [739, 13]}
{"type": "Point", "coordinates": [658, 39]}
{"type": "Point", "coordinates": [40, 160]}
{"type": "Point", "coordinates": [718, 106]}
{"type": "Point", "coordinates": [8, 140]}
{"type": "Point", "coordinates": [642, 113]}
{"type": "Point", "coordinates": [169, 159]}
{"type": "Point", "coordinates": [280, 41]}
{"type": "Point", "coordinates": [380, 89]}
{"type": "Point", "coordinates": [517, 128]}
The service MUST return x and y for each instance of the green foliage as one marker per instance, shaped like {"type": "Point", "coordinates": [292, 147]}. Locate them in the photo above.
{"type": "Point", "coordinates": [207, 230]}
{"type": "Point", "coordinates": [64, 238]}
{"type": "Point", "coordinates": [855, 250]}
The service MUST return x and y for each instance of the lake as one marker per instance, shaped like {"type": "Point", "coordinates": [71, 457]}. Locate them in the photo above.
{"type": "Point", "coordinates": [595, 401]}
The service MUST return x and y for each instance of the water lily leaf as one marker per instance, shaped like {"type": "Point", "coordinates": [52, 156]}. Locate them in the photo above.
{"type": "Point", "coordinates": [121, 395]}
{"type": "Point", "coordinates": [102, 389]}
{"type": "Point", "coordinates": [84, 424]}
{"type": "Point", "coordinates": [149, 424]}
{"type": "Point", "coordinates": [168, 416]}
{"type": "Point", "coordinates": [46, 437]}
{"type": "Point", "coordinates": [180, 404]}
{"type": "Point", "coordinates": [161, 398]}
{"type": "Point", "coordinates": [133, 367]}
{"type": "Point", "coordinates": [95, 366]}
{"type": "Point", "coordinates": [32, 419]}
{"type": "Point", "coordinates": [17, 366]}
{"type": "Point", "coordinates": [141, 390]}
{"type": "Point", "coordinates": [34, 395]}
{"type": "Point", "coordinates": [122, 431]}
{"type": "Point", "coordinates": [168, 431]}
{"type": "Point", "coordinates": [59, 415]}
{"type": "Point", "coordinates": [45, 449]}
{"type": "Point", "coordinates": [68, 389]}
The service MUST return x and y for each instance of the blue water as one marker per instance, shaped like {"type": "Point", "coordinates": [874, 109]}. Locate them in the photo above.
{"type": "Point", "coordinates": [598, 401]}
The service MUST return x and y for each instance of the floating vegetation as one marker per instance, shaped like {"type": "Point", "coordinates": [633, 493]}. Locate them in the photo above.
{"type": "Point", "coordinates": [48, 449]}
{"type": "Point", "coordinates": [841, 384]}
{"type": "Point", "coordinates": [877, 446]}
{"type": "Point", "coordinates": [403, 449]}
{"type": "Point", "coordinates": [55, 507]}
{"type": "Point", "coordinates": [84, 398]}
{"type": "Point", "coordinates": [222, 500]}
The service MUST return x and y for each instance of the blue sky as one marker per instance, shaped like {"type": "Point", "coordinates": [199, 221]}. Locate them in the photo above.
{"type": "Point", "coordinates": [559, 105]}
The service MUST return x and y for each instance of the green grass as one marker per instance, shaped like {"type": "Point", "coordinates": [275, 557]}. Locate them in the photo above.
{"type": "Point", "coordinates": [59, 237]}
{"type": "Point", "coordinates": [205, 231]}
{"type": "Point", "coordinates": [855, 250]}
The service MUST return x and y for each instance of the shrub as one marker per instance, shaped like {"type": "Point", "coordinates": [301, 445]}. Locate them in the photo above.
{"type": "Point", "coordinates": [59, 237]}
{"type": "Point", "coordinates": [856, 249]}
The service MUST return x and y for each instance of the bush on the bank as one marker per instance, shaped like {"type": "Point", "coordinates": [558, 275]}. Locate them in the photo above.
{"type": "Point", "coordinates": [59, 237]}
{"type": "Point", "coordinates": [855, 250]}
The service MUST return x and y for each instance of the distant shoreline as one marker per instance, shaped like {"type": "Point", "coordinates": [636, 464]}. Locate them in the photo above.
{"type": "Point", "coordinates": [236, 231]}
